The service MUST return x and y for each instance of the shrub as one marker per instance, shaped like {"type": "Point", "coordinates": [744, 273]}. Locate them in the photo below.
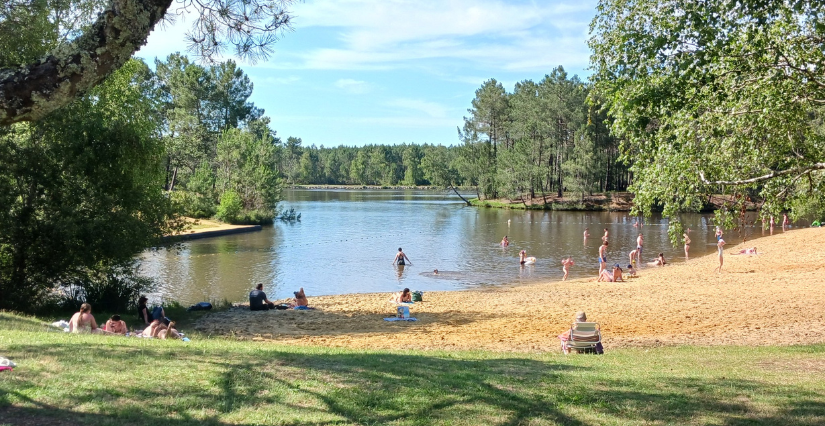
{"type": "Point", "coordinates": [230, 208]}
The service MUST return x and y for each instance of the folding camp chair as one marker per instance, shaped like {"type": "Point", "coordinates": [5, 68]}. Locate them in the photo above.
{"type": "Point", "coordinates": [585, 337]}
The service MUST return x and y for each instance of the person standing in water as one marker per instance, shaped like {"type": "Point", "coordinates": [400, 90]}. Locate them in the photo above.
{"type": "Point", "coordinates": [505, 242]}
{"type": "Point", "coordinates": [522, 257]}
{"type": "Point", "coordinates": [719, 245]}
{"type": "Point", "coordinates": [604, 237]}
{"type": "Point", "coordinates": [686, 236]}
{"type": "Point", "coordinates": [602, 256]}
{"type": "Point", "coordinates": [640, 242]}
{"type": "Point", "coordinates": [566, 264]}
{"type": "Point", "coordinates": [784, 222]}
{"type": "Point", "coordinates": [400, 258]}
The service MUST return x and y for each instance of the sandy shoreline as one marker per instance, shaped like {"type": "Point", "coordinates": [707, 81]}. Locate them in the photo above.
{"type": "Point", "coordinates": [774, 298]}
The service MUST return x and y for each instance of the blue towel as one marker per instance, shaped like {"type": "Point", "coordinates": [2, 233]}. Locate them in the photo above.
{"type": "Point", "coordinates": [400, 319]}
{"type": "Point", "coordinates": [302, 308]}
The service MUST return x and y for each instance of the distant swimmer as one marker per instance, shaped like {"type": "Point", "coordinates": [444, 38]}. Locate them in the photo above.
{"type": "Point", "coordinates": [400, 257]}
{"type": "Point", "coordinates": [524, 260]}
{"type": "Point", "coordinates": [586, 233]}
{"type": "Point", "coordinates": [435, 271]}
{"type": "Point", "coordinates": [505, 242]}
{"type": "Point", "coordinates": [604, 237]}
{"type": "Point", "coordinates": [566, 264]}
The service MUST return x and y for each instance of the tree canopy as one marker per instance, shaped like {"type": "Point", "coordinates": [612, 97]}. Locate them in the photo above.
{"type": "Point", "coordinates": [53, 52]}
{"type": "Point", "coordinates": [715, 97]}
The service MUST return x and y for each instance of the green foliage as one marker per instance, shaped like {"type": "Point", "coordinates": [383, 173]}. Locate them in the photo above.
{"type": "Point", "coordinates": [540, 138]}
{"type": "Point", "coordinates": [109, 288]}
{"type": "Point", "coordinates": [231, 207]}
{"type": "Point", "coordinates": [715, 97]}
{"type": "Point", "coordinates": [81, 190]}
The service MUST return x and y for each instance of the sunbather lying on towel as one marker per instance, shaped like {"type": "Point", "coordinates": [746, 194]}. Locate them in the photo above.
{"type": "Point", "coordinates": [403, 296]}
{"type": "Point", "coordinates": [751, 250]}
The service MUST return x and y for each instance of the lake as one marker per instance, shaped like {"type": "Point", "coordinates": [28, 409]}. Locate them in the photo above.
{"type": "Point", "coordinates": [347, 239]}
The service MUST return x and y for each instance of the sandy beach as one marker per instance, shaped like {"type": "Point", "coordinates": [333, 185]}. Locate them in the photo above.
{"type": "Point", "coordinates": [774, 298]}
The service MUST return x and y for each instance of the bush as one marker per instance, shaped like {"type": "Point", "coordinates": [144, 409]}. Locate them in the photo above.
{"type": "Point", "coordinates": [230, 208]}
{"type": "Point", "coordinates": [107, 288]}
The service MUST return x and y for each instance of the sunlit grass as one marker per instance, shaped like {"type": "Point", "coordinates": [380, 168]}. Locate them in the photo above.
{"type": "Point", "coordinates": [113, 380]}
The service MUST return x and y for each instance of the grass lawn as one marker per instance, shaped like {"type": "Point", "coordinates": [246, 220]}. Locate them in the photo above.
{"type": "Point", "coordinates": [64, 379]}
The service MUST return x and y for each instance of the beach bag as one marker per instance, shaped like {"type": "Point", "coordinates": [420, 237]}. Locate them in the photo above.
{"type": "Point", "coordinates": [282, 306]}
{"type": "Point", "coordinates": [202, 306]}
{"type": "Point", "coordinates": [418, 296]}
{"type": "Point", "coordinates": [402, 312]}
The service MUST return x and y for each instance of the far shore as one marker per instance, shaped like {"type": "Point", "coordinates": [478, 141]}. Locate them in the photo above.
{"type": "Point", "coordinates": [773, 298]}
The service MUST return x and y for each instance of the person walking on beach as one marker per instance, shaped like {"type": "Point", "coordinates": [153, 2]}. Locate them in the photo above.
{"type": "Point", "coordinates": [719, 245]}
{"type": "Point", "coordinates": [640, 242]}
{"type": "Point", "coordinates": [686, 236]}
{"type": "Point", "coordinates": [602, 256]}
{"type": "Point", "coordinates": [566, 264]}
{"type": "Point", "coordinates": [400, 257]}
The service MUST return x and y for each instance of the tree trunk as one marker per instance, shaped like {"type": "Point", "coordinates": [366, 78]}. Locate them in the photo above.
{"type": "Point", "coordinates": [174, 178]}
{"type": "Point", "coordinates": [32, 91]}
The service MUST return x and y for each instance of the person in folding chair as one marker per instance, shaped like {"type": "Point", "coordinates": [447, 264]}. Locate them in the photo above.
{"type": "Point", "coordinates": [582, 337]}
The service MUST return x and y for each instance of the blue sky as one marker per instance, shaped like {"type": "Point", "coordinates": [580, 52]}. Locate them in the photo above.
{"type": "Point", "coordinates": [356, 72]}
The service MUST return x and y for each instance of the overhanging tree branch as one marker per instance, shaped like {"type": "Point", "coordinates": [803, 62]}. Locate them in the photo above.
{"type": "Point", "coordinates": [769, 176]}
{"type": "Point", "coordinates": [32, 91]}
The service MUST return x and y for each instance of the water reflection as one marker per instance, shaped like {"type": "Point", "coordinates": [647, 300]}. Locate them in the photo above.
{"type": "Point", "coordinates": [348, 239]}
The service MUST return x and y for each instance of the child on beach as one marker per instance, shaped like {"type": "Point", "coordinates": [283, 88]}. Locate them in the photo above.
{"type": "Point", "coordinates": [719, 246]}
{"type": "Point", "coordinates": [566, 264]}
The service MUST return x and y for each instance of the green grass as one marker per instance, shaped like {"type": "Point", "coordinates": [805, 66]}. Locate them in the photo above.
{"type": "Point", "coordinates": [66, 379]}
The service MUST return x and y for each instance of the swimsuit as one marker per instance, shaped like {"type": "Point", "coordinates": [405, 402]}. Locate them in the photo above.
{"type": "Point", "coordinates": [401, 261]}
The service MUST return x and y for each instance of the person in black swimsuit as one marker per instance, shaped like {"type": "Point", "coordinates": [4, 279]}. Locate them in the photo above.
{"type": "Point", "coordinates": [400, 257]}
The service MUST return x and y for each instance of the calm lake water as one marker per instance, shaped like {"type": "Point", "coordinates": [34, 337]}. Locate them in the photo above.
{"type": "Point", "coordinates": [347, 239]}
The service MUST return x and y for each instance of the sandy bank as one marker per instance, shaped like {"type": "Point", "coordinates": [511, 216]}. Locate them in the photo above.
{"type": "Point", "coordinates": [775, 298]}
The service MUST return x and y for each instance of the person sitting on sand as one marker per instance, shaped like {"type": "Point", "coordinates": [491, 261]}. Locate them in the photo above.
{"type": "Point", "coordinates": [659, 261]}
{"type": "Point", "coordinates": [83, 321]}
{"type": "Point", "coordinates": [403, 296]}
{"type": "Point", "coordinates": [631, 272]}
{"type": "Point", "coordinates": [751, 250]}
{"type": "Point", "coordinates": [116, 325]}
{"type": "Point", "coordinates": [258, 300]}
{"type": "Point", "coordinates": [301, 301]}
{"type": "Point", "coordinates": [566, 264]}
{"type": "Point", "coordinates": [614, 275]}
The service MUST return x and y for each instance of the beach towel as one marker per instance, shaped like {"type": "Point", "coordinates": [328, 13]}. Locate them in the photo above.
{"type": "Point", "coordinates": [4, 368]}
{"type": "Point", "coordinates": [399, 319]}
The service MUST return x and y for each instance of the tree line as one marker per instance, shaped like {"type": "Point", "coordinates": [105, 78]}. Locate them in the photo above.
{"type": "Point", "coordinates": [542, 138]}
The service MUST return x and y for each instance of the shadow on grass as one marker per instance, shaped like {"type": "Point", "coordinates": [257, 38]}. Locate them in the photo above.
{"type": "Point", "coordinates": [265, 385]}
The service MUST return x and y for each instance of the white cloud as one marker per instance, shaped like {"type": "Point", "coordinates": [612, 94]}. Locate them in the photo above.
{"type": "Point", "coordinates": [352, 86]}
{"type": "Point", "coordinates": [432, 109]}
{"type": "Point", "coordinates": [393, 33]}
{"type": "Point", "coordinates": [279, 80]}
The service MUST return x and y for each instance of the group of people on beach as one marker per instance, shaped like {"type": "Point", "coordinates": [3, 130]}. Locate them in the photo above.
{"type": "Point", "coordinates": [159, 326]}
{"type": "Point", "coordinates": [259, 302]}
